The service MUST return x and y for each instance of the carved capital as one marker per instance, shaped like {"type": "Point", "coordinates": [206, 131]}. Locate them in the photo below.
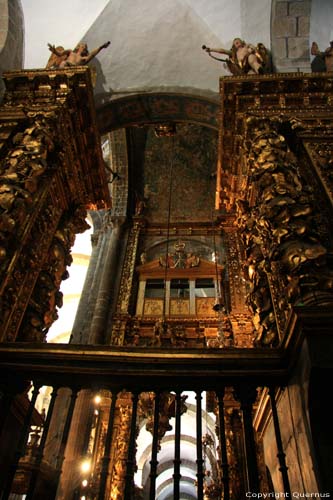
{"type": "Point", "coordinates": [246, 394]}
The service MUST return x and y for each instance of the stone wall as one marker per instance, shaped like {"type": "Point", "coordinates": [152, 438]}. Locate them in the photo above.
{"type": "Point", "coordinates": [290, 35]}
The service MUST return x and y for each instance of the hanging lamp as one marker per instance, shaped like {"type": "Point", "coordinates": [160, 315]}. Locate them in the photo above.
{"type": "Point", "coordinates": [219, 306]}
{"type": "Point", "coordinates": [167, 130]}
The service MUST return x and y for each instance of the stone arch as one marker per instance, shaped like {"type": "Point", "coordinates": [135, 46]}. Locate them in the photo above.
{"type": "Point", "coordinates": [142, 109]}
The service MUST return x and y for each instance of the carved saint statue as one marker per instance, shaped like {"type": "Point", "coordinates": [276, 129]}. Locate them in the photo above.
{"type": "Point", "coordinates": [323, 60]}
{"type": "Point", "coordinates": [62, 58]}
{"type": "Point", "coordinates": [244, 57]}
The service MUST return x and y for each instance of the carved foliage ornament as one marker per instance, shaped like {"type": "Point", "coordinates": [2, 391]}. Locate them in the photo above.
{"type": "Point", "coordinates": [27, 214]}
{"type": "Point", "coordinates": [22, 170]}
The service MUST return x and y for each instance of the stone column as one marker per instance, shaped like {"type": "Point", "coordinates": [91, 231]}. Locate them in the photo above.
{"type": "Point", "coordinates": [192, 297]}
{"type": "Point", "coordinates": [110, 269]}
{"type": "Point", "coordinates": [141, 298]}
{"type": "Point", "coordinates": [80, 331]}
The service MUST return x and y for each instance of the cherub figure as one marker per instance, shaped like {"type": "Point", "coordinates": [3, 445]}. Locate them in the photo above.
{"type": "Point", "coordinates": [323, 60]}
{"type": "Point", "coordinates": [62, 58]}
{"type": "Point", "coordinates": [243, 57]}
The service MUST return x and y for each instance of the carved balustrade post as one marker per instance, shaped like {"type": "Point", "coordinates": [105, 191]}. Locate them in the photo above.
{"type": "Point", "coordinates": [177, 459]}
{"type": "Point", "coordinates": [129, 478]}
{"type": "Point", "coordinates": [40, 451]}
{"type": "Point", "coordinates": [64, 439]}
{"type": "Point", "coordinates": [9, 389]}
{"type": "Point", "coordinates": [154, 448]}
{"type": "Point", "coordinates": [107, 448]}
{"type": "Point", "coordinates": [246, 394]}
{"type": "Point", "coordinates": [223, 445]}
{"type": "Point", "coordinates": [200, 461]}
{"type": "Point", "coordinates": [280, 455]}
{"type": "Point", "coordinates": [21, 444]}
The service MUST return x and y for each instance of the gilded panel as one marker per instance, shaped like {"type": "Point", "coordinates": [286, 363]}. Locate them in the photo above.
{"type": "Point", "coordinates": [179, 307]}
{"type": "Point", "coordinates": [204, 306]}
{"type": "Point", "coordinates": [153, 307]}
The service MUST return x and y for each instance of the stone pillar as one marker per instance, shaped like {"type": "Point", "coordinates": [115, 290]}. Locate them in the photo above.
{"type": "Point", "coordinates": [141, 298]}
{"type": "Point", "coordinates": [192, 297]}
{"type": "Point", "coordinates": [110, 270]}
{"type": "Point", "coordinates": [80, 331]}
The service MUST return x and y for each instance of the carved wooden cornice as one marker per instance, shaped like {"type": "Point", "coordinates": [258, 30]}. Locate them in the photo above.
{"type": "Point", "coordinates": [303, 100]}
{"type": "Point", "coordinates": [65, 97]}
{"type": "Point", "coordinates": [222, 221]}
{"type": "Point", "coordinates": [145, 369]}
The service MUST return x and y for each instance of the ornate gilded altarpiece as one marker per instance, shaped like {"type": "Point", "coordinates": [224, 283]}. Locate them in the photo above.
{"type": "Point", "coordinates": [274, 174]}
{"type": "Point", "coordinates": [52, 171]}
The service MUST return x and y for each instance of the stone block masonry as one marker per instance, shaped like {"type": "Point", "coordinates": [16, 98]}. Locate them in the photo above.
{"type": "Point", "coordinates": [290, 35]}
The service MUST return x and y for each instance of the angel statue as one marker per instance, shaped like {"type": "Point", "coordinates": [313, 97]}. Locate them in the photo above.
{"type": "Point", "coordinates": [244, 58]}
{"type": "Point", "coordinates": [323, 60]}
{"type": "Point", "coordinates": [62, 58]}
